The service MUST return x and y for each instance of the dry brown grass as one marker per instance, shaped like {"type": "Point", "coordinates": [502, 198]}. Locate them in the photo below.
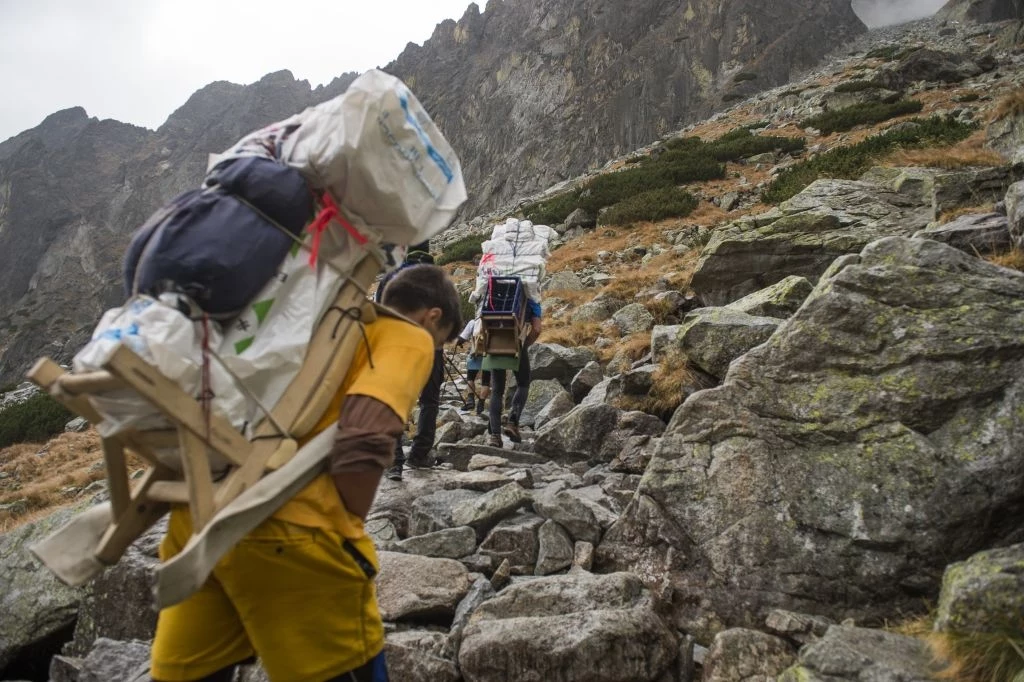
{"type": "Point", "coordinates": [979, 656]}
{"type": "Point", "coordinates": [630, 349]}
{"type": "Point", "coordinates": [41, 481]}
{"type": "Point", "coordinates": [570, 333]}
{"type": "Point", "coordinates": [963, 155]}
{"type": "Point", "coordinates": [1013, 259]}
{"type": "Point", "coordinates": [954, 213]}
{"type": "Point", "coordinates": [673, 381]}
{"type": "Point", "coordinates": [1011, 104]}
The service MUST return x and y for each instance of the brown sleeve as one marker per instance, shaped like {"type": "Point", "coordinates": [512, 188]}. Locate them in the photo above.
{"type": "Point", "coordinates": [367, 431]}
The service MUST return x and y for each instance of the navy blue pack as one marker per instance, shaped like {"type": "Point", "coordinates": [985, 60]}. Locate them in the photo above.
{"type": "Point", "coordinates": [220, 245]}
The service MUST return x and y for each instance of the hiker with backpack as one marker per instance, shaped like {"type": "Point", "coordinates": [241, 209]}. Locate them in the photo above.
{"type": "Point", "coordinates": [477, 397]}
{"type": "Point", "coordinates": [430, 399]}
{"type": "Point", "coordinates": [298, 591]}
{"type": "Point", "coordinates": [516, 255]}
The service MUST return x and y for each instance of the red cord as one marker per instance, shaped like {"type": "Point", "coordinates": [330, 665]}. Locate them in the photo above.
{"type": "Point", "coordinates": [328, 213]}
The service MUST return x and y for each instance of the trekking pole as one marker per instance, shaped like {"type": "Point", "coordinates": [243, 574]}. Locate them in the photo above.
{"type": "Point", "coordinates": [448, 373]}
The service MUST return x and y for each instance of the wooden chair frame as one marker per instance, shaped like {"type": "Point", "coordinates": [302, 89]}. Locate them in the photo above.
{"type": "Point", "coordinates": [197, 433]}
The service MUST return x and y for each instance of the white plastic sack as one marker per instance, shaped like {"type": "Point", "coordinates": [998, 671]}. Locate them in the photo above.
{"type": "Point", "coordinates": [378, 153]}
{"type": "Point", "coordinates": [265, 346]}
{"type": "Point", "coordinates": [540, 231]}
{"type": "Point", "coordinates": [172, 343]}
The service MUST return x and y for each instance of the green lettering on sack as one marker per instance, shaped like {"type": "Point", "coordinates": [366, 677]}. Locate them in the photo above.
{"type": "Point", "coordinates": [261, 308]}
{"type": "Point", "coordinates": [242, 345]}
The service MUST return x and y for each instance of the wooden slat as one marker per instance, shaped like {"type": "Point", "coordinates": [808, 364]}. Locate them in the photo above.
{"type": "Point", "coordinates": [117, 476]}
{"type": "Point", "coordinates": [90, 382]}
{"type": "Point", "coordinates": [172, 492]}
{"type": "Point", "coordinates": [46, 374]}
{"type": "Point", "coordinates": [166, 438]}
{"type": "Point", "coordinates": [196, 463]}
{"type": "Point", "coordinates": [178, 405]}
{"type": "Point", "coordinates": [140, 515]}
{"type": "Point", "coordinates": [310, 392]}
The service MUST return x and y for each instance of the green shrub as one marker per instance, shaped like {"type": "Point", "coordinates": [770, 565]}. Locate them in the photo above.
{"type": "Point", "coordinates": [868, 112]}
{"type": "Point", "coordinates": [968, 97]}
{"type": "Point", "coordinates": [741, 143]}
{"type": "Point", "coordinates": [855, 86]}
{"type": "Point", "coordinates": [733, 97]}
{"type": "Point", "coordinates": [462, 249]}
{"type": "Point", "coordinates": [854, 160]}
{"type": "Point", "coordinates": [655, 204]}
{"type": "Point", "coordinates": [744, 76]}
{"type": "Point", "coordinates": [764, 123]}
{"type": "Point", "coordinates": [553, 211]}
{"type": "Point", "coordinates": [32, 421]}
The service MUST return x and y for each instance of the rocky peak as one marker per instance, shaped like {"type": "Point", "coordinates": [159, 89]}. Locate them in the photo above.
{"type": "Point", "coordinates": [982, 10]}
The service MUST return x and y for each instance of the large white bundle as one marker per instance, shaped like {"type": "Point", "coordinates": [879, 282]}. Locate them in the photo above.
{"type": "Point", "coordinates": [395, 180]}
{"type": "Point", "coordinates": [540, 231]}
{"type": "Point", "coordinates": [516, 253]}
{"type": "Point", "coordinates": [378, 153]}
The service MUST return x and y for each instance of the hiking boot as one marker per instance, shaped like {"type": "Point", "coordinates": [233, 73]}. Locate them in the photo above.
{"type": "Point", "coordinates": [512, 431]}
{"type": "Point", "coordinates": [479, 406]}
{"type": "Point", "coordinates": [495, 441]}
{"type": "Point", "coordinates": [468, 405]}
{"type": "Point", "coordinates": [395, 473]}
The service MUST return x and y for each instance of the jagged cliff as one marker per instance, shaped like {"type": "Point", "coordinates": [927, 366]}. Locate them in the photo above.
{"type": "Point", "coordinates": [533, 91]}
{"type": "Point", "coordinates": [530, 92]}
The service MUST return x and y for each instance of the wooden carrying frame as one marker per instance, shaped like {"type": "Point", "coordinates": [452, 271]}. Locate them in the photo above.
{"type": "Point", "coordinates": [197, 433]}
{"type": "Point", "coordinates": [503, 317]}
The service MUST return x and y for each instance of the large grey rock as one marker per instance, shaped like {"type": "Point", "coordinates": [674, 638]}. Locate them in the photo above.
{"type": "Point", "coordinates": [450, 543]}
{"type": "Point", "coordinates": [396, 502]}
{"type": "Point", "coordinates": [118, 604]}
{"type": "Point", "coordinates": [481, 591]}
{"type": "Point", "coordinates": [541, 393]}
{"type": "Point", "coordinates": [741, 655]}
{"type": "Point", "coordinates": [850, 654]}
{"type": "Point", "coordinates": [582, 517]}
{"type": "Point", "coordinates": [984, 594]}
{"type": "Point", "coordinates": [419, 656]}
{"type": "Point", "coordinates": [115, 660]}
{"type": "Point", "coordinates": [585, 380]}
{"type": "Point", "coordinates": [877, 434]}
{"type": "Point", "coordinates": [802, 237]}
{"type": "Point", "coordinates": [483, 512]}
{"type": "Point", "coordinates": [598, 310]}
{"type": "Point", "coordinates": [664, 340]}
{"type": "Point", "coordinates": [1015, 211]}
{"type": "Point", "coordinates": [945, 190]}
{"type": "Point", "coordinates": [515, 539]}
{"type": "Point", "coordinates": [1006, 136]}
{"type": "Point", "coordinates": [634, 455]}
{"type": "Point", "coordinates": [459, 455]}
{"type": "Point", "coordinates": [566, 280]}
{"type": "Point", "coordinates": [712, 338]}
{"type": "Point", "coordinates": [800, 627]}
{"type": "Point", "coordinates": [433, 512]}
{"type": "Point", "coordinates": [479, 481]}
{"type": "Point", "coordinates": [629, 426]}
{"type": "Point", "coordinates": [35, 605]}
{"type": "Point", "coordinates": [975, 234]}
{"type": "Point", "coordinates": [633, 318]}
{"type": "Point", "coordinates": [417, 588]}
{"type": "Point", "coordinates": [578, 435]}
{"type": "Point", "coordinates": [559, 406]}
{"type": "Point", "coordinates": [780, 300]}
{"type": "Point", "coordinates": [571, 628]}
{"type": "Point", "coordinates": [553, 361]}
{"type": "Point", "coordinates": [554, 549]}
{"type": "Point", "coordinates": [933, 66]}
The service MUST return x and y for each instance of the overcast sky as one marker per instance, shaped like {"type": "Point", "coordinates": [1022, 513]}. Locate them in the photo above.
{"type": "Point", "coordinates": [139, 60]}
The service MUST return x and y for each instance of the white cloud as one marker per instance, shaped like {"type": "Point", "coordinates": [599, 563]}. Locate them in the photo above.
{"type": "Point", "coordinates": [137, 61]}
{"type": "Point", "coordinates": [886, 12]}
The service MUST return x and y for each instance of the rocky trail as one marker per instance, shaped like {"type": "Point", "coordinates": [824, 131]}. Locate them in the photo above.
{"type": "Point", "coordinates": [770, 440]}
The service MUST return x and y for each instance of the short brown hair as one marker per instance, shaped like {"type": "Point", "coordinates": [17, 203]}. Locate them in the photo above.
{"type": "Point", "coordinates": [425, 286]}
